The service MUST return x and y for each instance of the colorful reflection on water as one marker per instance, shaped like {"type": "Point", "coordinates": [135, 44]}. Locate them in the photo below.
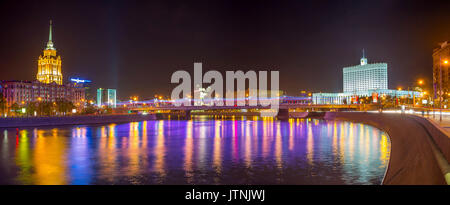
{"type": "Point", "coordinates": [200, 151]}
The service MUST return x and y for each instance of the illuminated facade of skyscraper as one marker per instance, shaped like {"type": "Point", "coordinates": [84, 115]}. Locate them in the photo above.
{"type": "Point", "coordinates": [106, 97]}
{"type": "Point", "coordinates": [49, 65]}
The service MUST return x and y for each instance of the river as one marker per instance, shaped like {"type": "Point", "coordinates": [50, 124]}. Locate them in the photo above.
{"type": "Point", "coordinates": [200, 151]}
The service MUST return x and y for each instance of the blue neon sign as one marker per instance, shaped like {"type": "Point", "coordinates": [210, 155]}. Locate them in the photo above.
{"type": "Point", "coordinates": [77, 80]}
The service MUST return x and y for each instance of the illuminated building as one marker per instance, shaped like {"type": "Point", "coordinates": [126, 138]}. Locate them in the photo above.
{"type": "Point", "coordinates": [49, 65]}
{"type": "Point", "coordinates": [106, 97]}
{"type": "Point", "coordinates": [49, 84]}
{"type": "Point", "coordinates": [351, 98]}
{"type": "Point", "coordinates": [85, 84]}
{"type": "Point", "coordinates": [441, 58]}
{"type": "Point", "coordinates": [365, 76]}
{"type": "Point", "coordinates": [24, 92]}
{"type": "Point", "coordinates": [364, 80]}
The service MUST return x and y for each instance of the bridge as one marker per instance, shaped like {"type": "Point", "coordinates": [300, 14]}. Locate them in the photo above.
{"type": "Point", "coordinates": [284, 108]}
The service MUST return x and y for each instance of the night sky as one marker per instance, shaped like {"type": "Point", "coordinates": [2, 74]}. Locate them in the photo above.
{"type": "Point", "coordinates": [135, 46]}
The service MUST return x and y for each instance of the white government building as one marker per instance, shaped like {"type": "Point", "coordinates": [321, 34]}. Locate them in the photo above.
{"type": "Point", "coordinates": [362, 80]}
{"type": "Point", "coordinates": [365, 77]}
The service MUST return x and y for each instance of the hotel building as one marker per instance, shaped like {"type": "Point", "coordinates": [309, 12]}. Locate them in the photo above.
{"type": "Point", "coordinates": [24, 92]}
{"type": "Point", "coordinates": [48, 86]}
{"type": "Point", "coordinates": [49, 65]}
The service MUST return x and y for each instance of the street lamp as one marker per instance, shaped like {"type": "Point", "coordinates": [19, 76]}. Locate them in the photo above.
{"type": "Point", "coordinates": [412, 94]}
{"type": "Point", "coordinates": [420, 82]}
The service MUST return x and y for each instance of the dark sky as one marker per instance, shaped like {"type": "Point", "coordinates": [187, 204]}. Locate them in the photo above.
{"type": "Point", "coordinates": [135, 46]}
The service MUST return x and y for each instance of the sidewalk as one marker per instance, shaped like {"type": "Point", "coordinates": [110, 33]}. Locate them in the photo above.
{"type": "Point", "coordinates": [445, 123]}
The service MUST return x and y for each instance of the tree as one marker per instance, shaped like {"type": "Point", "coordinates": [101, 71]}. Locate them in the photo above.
{"type": "Point", "coordinates": [31, 108]}
{"type": "Point", "coordinates": [15, 108]}
{"type": "Point", "coordinates": [64, 106]}
{"type": "Point", "coordinates": [45, 108]}
{"type": "Point", "coordinates": [388, 102]}
{"type": "Point", "coordinates": [2, 104]}
{"type": "Point", "coordinates": [106, 110]}
{"type": "Point", "coordinates": [89, 109]}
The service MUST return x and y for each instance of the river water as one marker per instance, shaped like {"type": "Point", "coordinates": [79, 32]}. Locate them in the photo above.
{"type": "Point", "coordinates": [199, 151]}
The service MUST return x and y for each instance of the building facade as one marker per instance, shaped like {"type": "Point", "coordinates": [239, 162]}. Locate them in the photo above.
{"type": "Point", "coordinates": [106, 97]}
{"type": "Point", "coordinates": [365, 77]}
{"type": "Point", "coordinates": [49, 65]}
{"type": "Point", "coordinates": [441, 58]}
{"type": "Point", "coordinates": [86, 85]}
{"type": "Point", "coordinates": [364, 80]}
{"type": "Point", "coordinates": [350, 98]}
{"type": "Point", "coordinates": [24, 92]}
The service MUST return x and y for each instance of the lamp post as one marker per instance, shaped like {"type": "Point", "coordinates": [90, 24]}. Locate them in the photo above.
{"type": "Point", "coordinates": [397, 96]}
{"type": "Point", "coordinates": [419, 87]}
{"type": "Point", "coordinates": [411, 89]}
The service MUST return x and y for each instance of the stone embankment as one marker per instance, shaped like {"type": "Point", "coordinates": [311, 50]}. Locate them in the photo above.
{"type": "Point", "coordinates": [420, 151]}
{"type": "Point", "coordinates": [14, 122]}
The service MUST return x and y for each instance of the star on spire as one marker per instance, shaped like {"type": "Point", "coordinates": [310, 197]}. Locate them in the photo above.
{"type": "Point", "coordinates": [50, 43]}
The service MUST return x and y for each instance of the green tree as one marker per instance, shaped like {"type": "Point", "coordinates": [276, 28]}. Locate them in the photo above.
{"type": "Point", "coordinates": [31, 108]}
{"type": "Point", "coordinates": [15, 108]}
{"type": "Point", "coordinates": [89, 109]}
{"type": "Point", "coordinates": [2, 104]}
{"type": "Point", "coordinates": [107, 110]}
{"type": "Point", "coordinates": [45, 108]}
{"type": "Point", "coordinates": [64, 106]}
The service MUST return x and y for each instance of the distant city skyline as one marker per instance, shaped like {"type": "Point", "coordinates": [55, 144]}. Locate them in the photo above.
{"type": "Point", "coordinates": [135, 47]}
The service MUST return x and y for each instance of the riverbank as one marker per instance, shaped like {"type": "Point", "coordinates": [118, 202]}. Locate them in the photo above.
{"type": "Point", "coordinates": [420, 151]}
{"type": "Point", "coordinates": [71, 120]}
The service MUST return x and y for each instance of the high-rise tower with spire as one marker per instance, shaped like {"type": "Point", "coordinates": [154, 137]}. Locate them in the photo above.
{"type": "Point", "coordinates": [49, 65]}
